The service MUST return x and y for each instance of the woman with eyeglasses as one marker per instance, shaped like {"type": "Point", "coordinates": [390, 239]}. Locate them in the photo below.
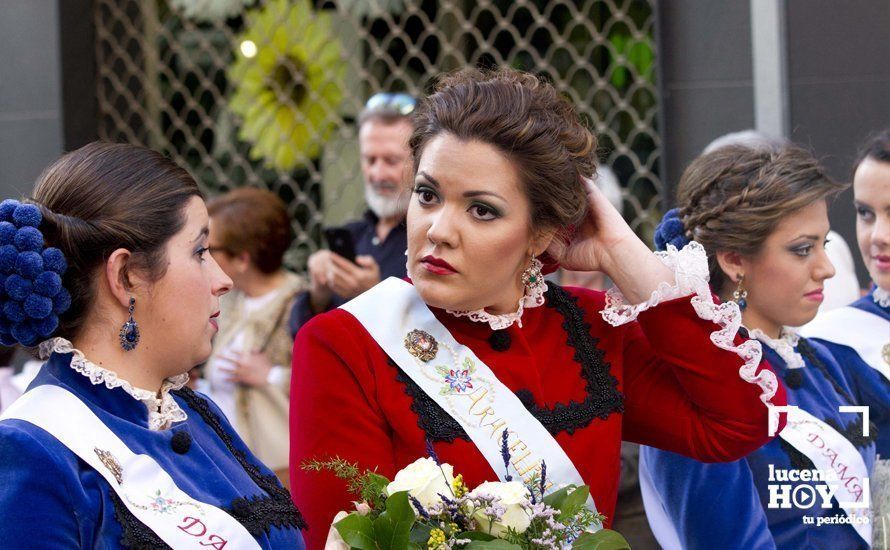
{"type": "Point", "coordinates": [859, 335]}
{"type": "Point", "coordinates": [761, 215]}
{"type": "Point", "coordinates": [477, 344]}
{"type": "Point", "coordinates": [248, 374]}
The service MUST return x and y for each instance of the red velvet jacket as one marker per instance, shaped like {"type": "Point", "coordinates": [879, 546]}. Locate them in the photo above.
{"type": "Point", "coordinates": [657, 381]}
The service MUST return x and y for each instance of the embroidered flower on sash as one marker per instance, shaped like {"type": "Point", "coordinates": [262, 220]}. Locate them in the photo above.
{"type": "Point", "coordinates": [459, 380]}
{"type": "Point", "coordinates": [160, 504]}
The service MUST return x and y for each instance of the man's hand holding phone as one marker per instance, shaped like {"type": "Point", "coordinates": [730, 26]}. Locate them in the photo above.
{"type": "Point", "coordinates": [339, 271]}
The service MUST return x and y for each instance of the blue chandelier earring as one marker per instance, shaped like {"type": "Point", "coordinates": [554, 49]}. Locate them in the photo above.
{"type": "Point", "coordinates": [740, 295]}
{"type": "Point", "coordinates": [129, 334]}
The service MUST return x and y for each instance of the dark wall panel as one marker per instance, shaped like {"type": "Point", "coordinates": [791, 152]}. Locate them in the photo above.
{"type": "Point", "coordinates": [706, 76]}
{"type": "Point", "coordinates": [839, 84]}
{"type": "Point", "coordinates": [30, 94]}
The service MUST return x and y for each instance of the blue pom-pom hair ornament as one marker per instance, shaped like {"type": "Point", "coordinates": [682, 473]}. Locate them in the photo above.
{"type": "Point", "coordinates": [31, 295]}
{"type": "Point", "coordinates": [669, 231]}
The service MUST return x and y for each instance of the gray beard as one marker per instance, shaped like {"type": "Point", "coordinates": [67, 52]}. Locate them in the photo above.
{"type": "Point", "coordinates": [386, 207]}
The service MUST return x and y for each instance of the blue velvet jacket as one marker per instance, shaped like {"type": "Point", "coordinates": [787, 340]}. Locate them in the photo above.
{"type": "Point", "coordinates": [872, 387]}
{"type": "Point", "coordinates": [52, 499]}
{"type": "Point", "coordinates": [726, 505]}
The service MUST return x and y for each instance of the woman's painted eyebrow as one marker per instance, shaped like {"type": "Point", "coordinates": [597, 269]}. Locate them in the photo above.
{"type": "Point", "coordinates": [205, 231]}
{"type": "Point", "coordinates": [807, 237]}
{"type": "Point", "coordinates": [468, 194]}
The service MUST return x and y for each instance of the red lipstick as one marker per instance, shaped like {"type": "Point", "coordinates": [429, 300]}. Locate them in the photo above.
{"type": "Point", "coordinates": [437, 266]}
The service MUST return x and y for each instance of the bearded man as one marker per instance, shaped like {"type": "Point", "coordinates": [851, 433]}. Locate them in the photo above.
{"type": "Point", "coordinates": [379, 236]}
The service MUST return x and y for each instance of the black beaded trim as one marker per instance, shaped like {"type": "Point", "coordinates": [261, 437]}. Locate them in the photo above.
{"type": "Point", "coordinates": [809, 354]}
{"type": "Point", "coordinates": [853, 431]}
{"type": "Point", "coordinates": [258, 514]}
{"type": "Point", "coordinates": [793, 378]}
{"type": "Point", "coordinates": [799, 461]}
{"type": "Point", "coordinates": [437, 424]}
{"type": "Point", "coordinates": [603, 397]}
{"type": "Point", "coordinates": [134, 534]}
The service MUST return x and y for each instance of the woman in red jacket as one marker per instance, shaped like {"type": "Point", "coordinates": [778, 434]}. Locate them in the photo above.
{"type": "Point", "coordinates": [478, 343]}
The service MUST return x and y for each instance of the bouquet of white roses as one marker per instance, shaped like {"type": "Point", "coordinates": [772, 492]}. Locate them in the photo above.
{"type": "Point", "coordinates": [426, 506]}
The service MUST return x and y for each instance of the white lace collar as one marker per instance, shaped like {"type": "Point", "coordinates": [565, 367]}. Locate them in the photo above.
{"type": "Point", "coordinates": [881, 297]}
{"type": "Point", "coordinates": [784, 346]}
{"type": "Point", "coordinates": [162, 412]}
{"type": "Point", "coordinates": [534, 298]}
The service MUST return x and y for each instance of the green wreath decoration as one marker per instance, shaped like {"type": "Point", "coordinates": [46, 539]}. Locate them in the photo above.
{"type": "Point", "coordinates": [288, 82]}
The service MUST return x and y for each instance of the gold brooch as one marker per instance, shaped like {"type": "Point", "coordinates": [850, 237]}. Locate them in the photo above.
{"type": "Point", "coordinates": [885, 351]}
{"type": "Point", "coordinates": [111, 464]}
{"type": "Point", "coordinates": [421, 345]}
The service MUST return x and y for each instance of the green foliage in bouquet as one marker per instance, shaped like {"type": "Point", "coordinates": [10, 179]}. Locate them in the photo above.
{"type": "Point", "coordinates": [427, 507]}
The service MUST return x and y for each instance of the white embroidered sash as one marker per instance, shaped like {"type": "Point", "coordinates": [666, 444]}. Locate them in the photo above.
{"type": "Point", "coordinates": [833, 454]}
{"type": "Point", "coordinates": [463, 386]}
{"type": "Point", "coordinates": [143, 486]}
{"type": "Point", "coordinates": [865, 332]}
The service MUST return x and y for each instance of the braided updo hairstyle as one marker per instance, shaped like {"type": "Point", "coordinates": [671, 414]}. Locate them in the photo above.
{"type": "Point", "coordinates": [528, 121]}
{"type": "Point", "coordinates": [106, 196]}
{"type": "Point", "coordinates": [733, 198]}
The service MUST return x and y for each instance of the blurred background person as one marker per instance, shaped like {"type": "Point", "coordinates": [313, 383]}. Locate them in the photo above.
{"type": "Point", "coordinates": [379, 238]}
{"type": "Point", "coordinates": [248, 374]}
{"type": "Point", "coordinates": [859, 335]}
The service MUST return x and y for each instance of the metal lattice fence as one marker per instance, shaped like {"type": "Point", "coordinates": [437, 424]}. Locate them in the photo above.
{"type": "Point", "coordinates": [265, 93]}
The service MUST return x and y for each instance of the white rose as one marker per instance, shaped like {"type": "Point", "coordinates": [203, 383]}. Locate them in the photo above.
{"type": "Point", "coordinates": [514, 498]}
{"type": "Point", "coordinates": [424, 480]}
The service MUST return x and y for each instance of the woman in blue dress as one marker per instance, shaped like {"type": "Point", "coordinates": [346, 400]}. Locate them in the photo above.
{"type": "Point", "coordinates": [859, 335]}
{"type": "Point", "coordinates": [106, 272]}
{"type": "Point", "coordinates": [762, 217]}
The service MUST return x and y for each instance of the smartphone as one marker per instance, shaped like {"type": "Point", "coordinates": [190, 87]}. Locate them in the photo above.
{"type": "Point", "coordinates": [340, 241]}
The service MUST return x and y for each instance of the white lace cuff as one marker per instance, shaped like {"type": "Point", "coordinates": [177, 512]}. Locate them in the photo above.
{"type": "Point", "coordinates": [162, 412]}
{"type": "Point", "coordinates": [690, 266]}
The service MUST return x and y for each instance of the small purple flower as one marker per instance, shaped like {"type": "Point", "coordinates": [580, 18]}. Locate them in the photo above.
{"type": "Point", "coordinates": [543, 477]}
{"type": "Point", "coordinates": [419, 507]}
{"type": "Point", "coordinates": [505, 455]}
{"type": "Point", "coordinates": [431, 452]}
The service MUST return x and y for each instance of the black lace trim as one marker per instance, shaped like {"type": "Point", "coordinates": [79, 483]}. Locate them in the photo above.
{"type": "Point", "coordinates": [603, 397]}
{"type": "Point", "coordinates": [799, 461]}
{"type": "Point", "coordinates": [437, 424]}
{"type": "Point", "coordinates": [135, 534]}
{"type": "Point", "coordinates": [809, 354]}
{"type": "Point", "coordinates": [793, 378]}
{"type": "Point", "coordinates": [853, 430]}
{"type": "Point", "coordinates": [258, 514]}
